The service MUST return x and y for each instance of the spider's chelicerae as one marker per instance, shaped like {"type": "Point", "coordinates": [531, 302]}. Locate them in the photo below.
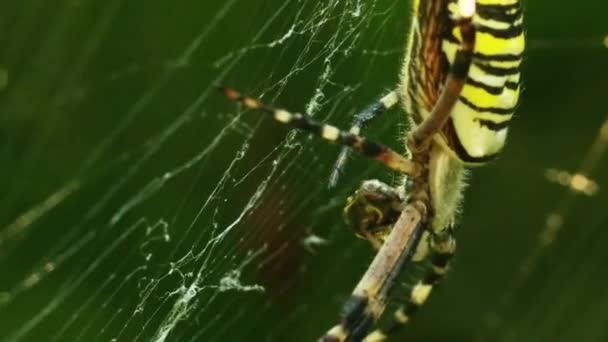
{"type": "Point", "coordinates": [460, 85]}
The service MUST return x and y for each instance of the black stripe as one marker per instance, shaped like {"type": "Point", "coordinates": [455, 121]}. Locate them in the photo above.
{"type": "Point", "coordinates": [494, 90]}
{"type": "Point", "coordinates": [371, 148]}
{"type": "Point", "coordinates": [356, 320]}
{"type": "Point", "coordinates": [459, 149]}
{"type": "Point", "coordinates": [478, 56]}
{"type": "Point", "coordinates": [432, 278]}
{"type": "Point", "coordinates": [488, 88]}
{"type": "Point", "coordinates": [354, 306]}
{"type": "Point", "coordinates": [305, 123]}
{"type": "Point", "coordinates": [500, 12]}
{"type": "Point", "coordinates": [511, 32]}
{"type": "Point", "coordinates": [493, 126]}
{"type": "Point", "coordinates": [348, 139]}
{"type": "Point", "coordinates": [394, 327]}
{"type": "Point", "coordinates": [467, 158]}
{"type": "Point", "coordinates": [411, 308]}
{"type": "Point", "coordinates": [499, 7]}
{"type": "Point", "coordinates": [441, 259]}
{"type": "Point", "coordinates": [503, 57]}
{"type": "Point", "coordinates": [366, 147]}
{"type": "Point", "coordinates": [493, 110]}
{"type": "Point", "coordinates": [451, 38]}
{"type": "Point", "coordinates": [359, 333]}
{"type": "Point", "coordinates": [353, 309]}
{"type": "Point", "coordinates": [496, 71]}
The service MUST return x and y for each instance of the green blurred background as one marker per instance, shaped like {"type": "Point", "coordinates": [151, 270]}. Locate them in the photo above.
{"type": "Point", "coordinates": [137, 204]}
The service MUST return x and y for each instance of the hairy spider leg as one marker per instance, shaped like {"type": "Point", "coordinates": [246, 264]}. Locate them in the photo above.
{"type": "Point", "coordinates": [369, 148]}
{"type": "Point", "coordinates": [442, 249]}
{"type": "Point", "coordinates": [357, 317]}
{"type": "Point", "coordinates": [385, 103]}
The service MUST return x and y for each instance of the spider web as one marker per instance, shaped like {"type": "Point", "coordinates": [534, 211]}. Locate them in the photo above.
{"type": "Point", "coordinates": [138, 204]}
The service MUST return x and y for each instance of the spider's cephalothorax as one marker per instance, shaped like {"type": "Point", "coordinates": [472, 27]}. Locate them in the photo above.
{"type": "Point", "coordinates": [460, 86]}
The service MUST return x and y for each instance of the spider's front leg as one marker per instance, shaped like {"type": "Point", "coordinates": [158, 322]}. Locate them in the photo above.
{"type": "Point", "coordinates": [372, 210]}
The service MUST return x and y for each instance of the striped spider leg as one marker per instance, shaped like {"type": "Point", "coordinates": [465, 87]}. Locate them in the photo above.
{"type": "Point", "coordinates": [385, 103]}
{"type": "Point", "coordinates": [368, 300]}
{"type": "Point", "coordinates": [362, 145]}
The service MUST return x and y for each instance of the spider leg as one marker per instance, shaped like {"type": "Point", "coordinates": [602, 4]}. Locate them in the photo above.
{"type": "Point", "coordinates": [369, 148]}
{"type": "Point", "coordinates": [442, 249]}
{"type": "Point", "coordinates": [387, 102]}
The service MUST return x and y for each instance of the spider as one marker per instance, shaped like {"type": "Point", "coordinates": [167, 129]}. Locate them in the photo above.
{"type": "Point", "coordinates": [460, 85]}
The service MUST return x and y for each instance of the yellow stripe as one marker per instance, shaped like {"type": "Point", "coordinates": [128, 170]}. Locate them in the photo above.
{"type": "Point", "coordinates": [420, 293]}
{"type": "Point", "coordinates": [400, 316]}
{"type": "Point", "coordinates": [330, 133]}
{"type": "Point", "coordinates": [439, 270]}
{"type": "Point", "coordinates": [282, 116]}
{"type": "Point", "coordinates": [375, 336]}
{"type": "Point", "coordinates": [481, 98]}
{"type": "Point", "coordinates": [495, 118]}
{"type": "Point", "coordinates": [503, 64]}
{"type": "Point", "coordinates": [492, 80]}
{"type": "Point", "coordinates": [337, 332]}
{"type": "Point", "coordinates": [489, 45]}
{"type": "Point", "coordinates": [416, 6]}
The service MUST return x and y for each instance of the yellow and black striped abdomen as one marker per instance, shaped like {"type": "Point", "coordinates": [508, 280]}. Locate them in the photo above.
{"type": "Point", "coordinates": [478, 124]}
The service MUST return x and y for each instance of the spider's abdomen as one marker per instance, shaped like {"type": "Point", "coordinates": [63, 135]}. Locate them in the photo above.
{"type": "Point", "coordinates": [477, 128]}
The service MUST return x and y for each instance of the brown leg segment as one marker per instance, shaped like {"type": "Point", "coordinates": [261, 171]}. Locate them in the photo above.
{"type": "Point", "coordinates": [364, 146]}
{"type": "Point", "coordinates": [387, 102]}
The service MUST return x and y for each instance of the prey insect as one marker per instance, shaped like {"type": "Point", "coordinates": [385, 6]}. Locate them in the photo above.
{"type": "Point", "coordinates": [460, 85]}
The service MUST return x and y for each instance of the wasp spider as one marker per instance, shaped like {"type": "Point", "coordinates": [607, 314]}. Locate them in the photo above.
{"type": "Point", "coordinates": [460, 86]}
